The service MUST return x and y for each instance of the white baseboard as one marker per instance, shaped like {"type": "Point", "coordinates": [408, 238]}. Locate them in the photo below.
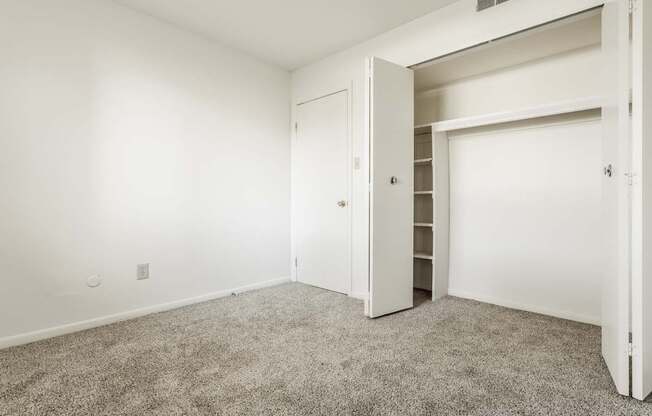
{"type": "Point", "coordinates": [571, 316]}
{"type": "Point", "coordinates": [30, 337]}
{"type": "Point", "coordinates": [359, 295]}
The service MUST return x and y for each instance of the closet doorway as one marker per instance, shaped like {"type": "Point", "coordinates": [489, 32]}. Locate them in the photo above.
{"type": "Point", "coordinates": [321, 207]}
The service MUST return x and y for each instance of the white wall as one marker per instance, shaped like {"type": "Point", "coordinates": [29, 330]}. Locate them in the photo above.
{"type": "Point", "coordinates": [124, 140]}
{"type": "Point", "coordinates": [553, 79]}
{"type": "Point", "coordinates": [450, 29]}
{"type": "Point", "coordinates": [526, 228]}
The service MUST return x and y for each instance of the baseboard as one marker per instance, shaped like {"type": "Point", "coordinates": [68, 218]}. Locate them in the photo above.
{"type": "Point", "coordinates": [30, 337]}
{"type": "Point", "coordinates": [359, 295]}
{"type": "Point", "coordinates": [525, 307]}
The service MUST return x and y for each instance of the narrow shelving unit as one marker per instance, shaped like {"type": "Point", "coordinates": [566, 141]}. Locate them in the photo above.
{"type": "Point", "coordinates": [423, 207]}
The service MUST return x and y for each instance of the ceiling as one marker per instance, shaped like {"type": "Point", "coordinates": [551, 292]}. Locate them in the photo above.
{"type": "Point", "coordinates": [288, 33]}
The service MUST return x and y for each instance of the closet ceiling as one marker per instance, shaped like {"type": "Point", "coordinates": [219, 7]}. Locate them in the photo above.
{"type": "Point", "coordinates": [288, 33]}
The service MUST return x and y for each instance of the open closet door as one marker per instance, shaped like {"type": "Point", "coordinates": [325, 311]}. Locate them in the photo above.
{"type": "Point", "coordinates": [615, 190]}
{"type": "Point", "coordinates": [642, 200]}
{"type": "Point", "coordinates": [390, 109]}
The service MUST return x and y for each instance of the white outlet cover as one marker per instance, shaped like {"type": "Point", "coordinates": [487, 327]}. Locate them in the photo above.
{"type": "Point", "coordinates": [94, 281]}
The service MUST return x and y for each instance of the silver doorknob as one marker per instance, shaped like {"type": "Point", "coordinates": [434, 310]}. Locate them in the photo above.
{"type": "Point", "coordinates": [341, 204]}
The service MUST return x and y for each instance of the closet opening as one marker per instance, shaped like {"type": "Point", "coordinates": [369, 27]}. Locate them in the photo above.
{"type": "Point", "coordinates": [507, 143]}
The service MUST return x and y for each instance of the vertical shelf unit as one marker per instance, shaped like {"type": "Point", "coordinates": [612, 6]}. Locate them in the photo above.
{"type": "Point", "coordinates": [431, 210]}
{"type": "Point", "coordinates": [423, 208]}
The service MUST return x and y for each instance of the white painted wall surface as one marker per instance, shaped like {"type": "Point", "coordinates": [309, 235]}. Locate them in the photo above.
{"type": "Point", "coordinates": [557, 78]}
{"type": "Point", "coordinates": [124, 140]}
{"type": "Point", "coordinates": [526, 227]}
{"type": "Point", "coordinates": [450, 29]}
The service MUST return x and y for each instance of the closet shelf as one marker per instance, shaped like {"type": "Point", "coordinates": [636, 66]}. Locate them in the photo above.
{"type": "Point", "coordinates": [423, 161]}
{"type": "Point", "coordinates": [423, 193]}
{"type": "Point", "coordinates": [563, 107]}
{"type": "Point", "coordinates": [423, 224]}
{"type": "Point", "coordinates": [423, 256]}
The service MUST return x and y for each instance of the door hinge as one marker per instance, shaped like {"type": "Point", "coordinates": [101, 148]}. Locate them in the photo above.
{"type": "Point", "coordinates": [296, 127]}
{"type": "Point", "coordinates": [630, 349]}
{"type": "Point", "coordinates": [296, 263]}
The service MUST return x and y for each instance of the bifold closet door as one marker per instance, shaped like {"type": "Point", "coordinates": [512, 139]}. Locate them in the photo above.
{"type": "Point", "coordinates": [615, 191]}
{"type": "Point", "coordinates": [390, 112]}
{"type": "Point", "coordinates": [642, 201]}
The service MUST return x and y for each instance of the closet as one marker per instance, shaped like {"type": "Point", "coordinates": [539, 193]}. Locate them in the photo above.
{"type": "Point", "coordinates": [513, 128]}
{"type": "Point", "coordinates": [500, 173]}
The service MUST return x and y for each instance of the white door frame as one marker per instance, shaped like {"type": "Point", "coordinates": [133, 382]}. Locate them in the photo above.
{"type": "Point", "coordinates": [640, 178]}
{"type": "Point", "coordinates": [349, 181]}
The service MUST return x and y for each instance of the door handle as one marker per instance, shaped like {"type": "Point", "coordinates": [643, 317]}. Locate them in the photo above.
{"type": "Point", "coordinates": [393, 180]}
{"type": "Point", "coordinates": [341, 204]}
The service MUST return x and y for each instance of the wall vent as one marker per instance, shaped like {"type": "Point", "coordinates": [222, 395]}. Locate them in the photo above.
{"type": "Point", "coordinates": [486, 4]}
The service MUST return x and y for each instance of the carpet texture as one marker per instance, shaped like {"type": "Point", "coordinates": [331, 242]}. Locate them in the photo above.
{"type": "Point", "coordinates": [298, 350]}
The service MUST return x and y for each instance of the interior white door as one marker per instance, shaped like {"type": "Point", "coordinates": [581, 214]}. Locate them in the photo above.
{"type": "Point", "coordinates": [321, 212]}
{"type": "Point", "coordinates": [615, 192]}
{"type": "Point", "coordinates": [390, 111]}
{"type": "Point", "coordinates": [642, 201]}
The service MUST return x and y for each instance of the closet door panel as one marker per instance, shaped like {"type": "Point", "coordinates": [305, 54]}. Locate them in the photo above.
{"type": "Point", "coordinates": [615, 192]}
{"type": "Point", "coordinates": [391, 137]}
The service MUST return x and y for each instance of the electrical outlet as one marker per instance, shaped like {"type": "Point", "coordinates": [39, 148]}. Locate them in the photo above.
{"type": "Point", "coordinates": [142, 271]}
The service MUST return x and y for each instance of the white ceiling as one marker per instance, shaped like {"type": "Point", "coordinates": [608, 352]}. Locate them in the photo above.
{"type": "Point", "coordinates": [288, 33]}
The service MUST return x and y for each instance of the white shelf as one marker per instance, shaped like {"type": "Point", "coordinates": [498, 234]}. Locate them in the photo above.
{"type": "Point", "coordinates": [564, 107]}
{"type": "Point", "coordinates": [423, 225]}
{"type": "Point", "coordinates": [423, 193]}
{"type": "Point", "coordinates": [423, 256]}
{"type": "Point", "coordinates": [423, 161]}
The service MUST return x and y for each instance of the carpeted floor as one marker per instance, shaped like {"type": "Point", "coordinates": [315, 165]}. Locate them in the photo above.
{"type": "Point", "coordinates": [298, 350]}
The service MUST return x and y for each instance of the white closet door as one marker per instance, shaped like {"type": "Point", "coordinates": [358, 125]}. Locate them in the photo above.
{"type": "Point", "coordinates": [615, 204]}
{"type": "Point", "coordinates": [320, 191]}
{"type": "Point", "coordinates": [642, 201]}
{"type": "Point", "coordinates": [391, 131]}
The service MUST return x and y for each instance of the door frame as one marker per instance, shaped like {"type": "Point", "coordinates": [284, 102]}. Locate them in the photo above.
{"type": "Point", "coordinates": [349, 180]}
{"type": "Point", "coordinates": [640, 180]}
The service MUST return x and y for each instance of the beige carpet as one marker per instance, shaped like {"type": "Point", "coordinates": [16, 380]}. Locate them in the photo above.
{"type": "Point", "coordinates": [297, 350]}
